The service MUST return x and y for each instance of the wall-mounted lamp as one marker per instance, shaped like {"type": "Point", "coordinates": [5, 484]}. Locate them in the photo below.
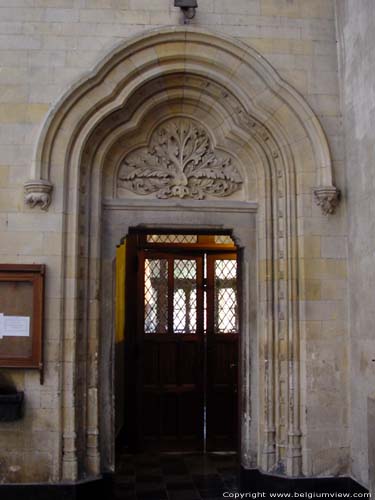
{"type": "Point", "coordinates": [188, 7]}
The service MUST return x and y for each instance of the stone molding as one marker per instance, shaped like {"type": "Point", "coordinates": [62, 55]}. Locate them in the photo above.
{"type": "Point", "coordinates": [179, 162]}
{"type": "Point", "coordinates": [38, 193]}
{"type": "Point", "coordinates": [327, 198]}
{"type": "Point", "coordinates": [216, 206]}
{"type": "Point", "coordinates": [175, 34]}
{"type": "Point", "coordinates": [260, 116]}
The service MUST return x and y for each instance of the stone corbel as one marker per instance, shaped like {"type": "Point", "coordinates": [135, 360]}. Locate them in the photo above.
{"type": "Point", "coordinates": [327, 198]}
{"type": "Point", "coordinates": [38, 192]}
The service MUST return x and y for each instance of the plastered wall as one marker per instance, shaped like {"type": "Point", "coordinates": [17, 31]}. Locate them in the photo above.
{"type": "Point", "coordinates": [357, 57]}
{"type": "Point", "coordinates": [47, 45]}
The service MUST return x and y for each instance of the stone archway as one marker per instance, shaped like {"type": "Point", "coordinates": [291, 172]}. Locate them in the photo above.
{"type": "Point", "coordinates": [281, 157]}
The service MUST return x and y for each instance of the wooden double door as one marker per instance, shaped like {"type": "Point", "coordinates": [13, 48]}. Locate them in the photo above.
{"type": "Point", "coordinates": [186, 363]}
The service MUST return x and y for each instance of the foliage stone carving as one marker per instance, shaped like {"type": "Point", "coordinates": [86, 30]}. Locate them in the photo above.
{"type": "Point", "coordinates": [179, 162]}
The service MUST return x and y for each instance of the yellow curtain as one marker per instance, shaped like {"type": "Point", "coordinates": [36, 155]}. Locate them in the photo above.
{"type": "Point", "coordinates": [120, 291]}
{"type": "Point", "coordinates": [120, 338]}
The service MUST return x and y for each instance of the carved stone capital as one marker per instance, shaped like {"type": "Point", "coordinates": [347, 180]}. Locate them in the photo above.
{"type": "Point", "coordinates": [38, 192]}
{"type": "Point", "coordinates": [327, 198]}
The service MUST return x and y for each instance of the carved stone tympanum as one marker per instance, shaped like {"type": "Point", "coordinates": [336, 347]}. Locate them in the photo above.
{"type": "Point", "coordinates": [179, 162]}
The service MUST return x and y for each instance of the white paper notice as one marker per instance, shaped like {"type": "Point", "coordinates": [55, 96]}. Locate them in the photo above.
{"type": "Point", "coordinates": [1, 325]}
{"type": "Point", "coordinates": [16, 326]}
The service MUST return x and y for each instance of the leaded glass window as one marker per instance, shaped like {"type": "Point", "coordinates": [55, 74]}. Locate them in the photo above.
{"type": "Point", "coordinates": [226, 304]}
{"type": "Point", "coordinates": [156, 296]}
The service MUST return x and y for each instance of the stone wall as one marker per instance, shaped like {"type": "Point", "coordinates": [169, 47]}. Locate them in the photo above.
{"type": "Point", "coordinates": [371, 442]}
{"type": "Point", "coordinates": [357, 37]}
{"type": "Point", "coordinates": [46, 46]}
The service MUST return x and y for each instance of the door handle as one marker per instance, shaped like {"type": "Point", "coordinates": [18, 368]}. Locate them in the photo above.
{"type": "Point", "coordinates": [233, 365]}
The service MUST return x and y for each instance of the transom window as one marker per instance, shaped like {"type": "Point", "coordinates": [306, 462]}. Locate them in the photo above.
{"type": "Point", "coordinates": [188, 240]}
{"type": "Point", "coordinates": [180, 288]}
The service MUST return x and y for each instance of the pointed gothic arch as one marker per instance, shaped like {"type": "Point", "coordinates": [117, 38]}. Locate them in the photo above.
{"type": "Point", "coordinates": [281, 152]}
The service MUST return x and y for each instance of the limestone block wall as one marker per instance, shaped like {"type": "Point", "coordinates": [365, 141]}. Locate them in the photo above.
{"type": "Point", "coordinates": [358, 100]}
{"type": "Point", "coordinates": [45, 47]}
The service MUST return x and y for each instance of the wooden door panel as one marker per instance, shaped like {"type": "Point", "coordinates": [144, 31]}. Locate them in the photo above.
{"type": "Point", "coordinates": [222, 352]}
{"type": "Point", "coordinates": [223, 361]}
{"type": "Point", "coordinates": [150, 406]}
{"type": "Point", "coordinates": [169, 415]}
{"type": "Point", "coordinates": [151, 364]}
{"type": "Point", "coordinates": [185, 365]}
{"type": "Point", "coordinates": [189, 364]}
{"type": "Point", "coordinates": [172, 345]}
{"type": "Point", "coordinates": [222, 422]}
{"type": "Point", "coordinates": [167, 364]}
{"type": "Point", "coordinates": [191, 414]}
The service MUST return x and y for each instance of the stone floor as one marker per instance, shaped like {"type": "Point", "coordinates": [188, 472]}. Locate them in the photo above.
{"type": "Point", "coordinates": [175, 476]}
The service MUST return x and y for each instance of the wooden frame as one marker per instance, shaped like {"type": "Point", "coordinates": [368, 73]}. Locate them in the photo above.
{"type": "Point", "coordinates": [205, 241]}
{"type": "Point", "coordinates": [23, 285]}
{"type": "Point", "coordinates": [139, 250]}
{"type": "Point", "coordinates": [213, 338]}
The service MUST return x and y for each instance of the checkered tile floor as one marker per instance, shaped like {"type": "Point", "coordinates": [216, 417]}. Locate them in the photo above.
{"type": "Point", "coordinates": [175, 476]}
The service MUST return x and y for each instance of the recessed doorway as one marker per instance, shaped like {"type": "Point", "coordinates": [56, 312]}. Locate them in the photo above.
{"type": "Point", "coordinates": [181, 342]}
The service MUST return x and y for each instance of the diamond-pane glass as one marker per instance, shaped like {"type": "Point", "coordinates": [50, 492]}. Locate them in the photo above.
{"type": "Point", "coordinates": [185, 296]}
{"type": "Point", "coordinates": [156, 296]}
{"type": "Point", "coordinates": [172, 238]}
{"type": "Point", "coordinates": [223, 239]}
{"type": "Point", "coordinates": [226, 303]}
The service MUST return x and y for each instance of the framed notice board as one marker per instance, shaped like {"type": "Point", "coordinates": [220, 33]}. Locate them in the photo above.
{"type": "Point", "coordinates": [21, 315]}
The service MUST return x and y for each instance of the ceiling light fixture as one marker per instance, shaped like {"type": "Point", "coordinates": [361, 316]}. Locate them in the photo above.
{"type": "Point", "coordinates": [188, 8]}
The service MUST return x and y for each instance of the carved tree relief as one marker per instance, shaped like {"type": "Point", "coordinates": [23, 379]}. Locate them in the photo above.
{"type": "Point", "coordinates": [179, 162]}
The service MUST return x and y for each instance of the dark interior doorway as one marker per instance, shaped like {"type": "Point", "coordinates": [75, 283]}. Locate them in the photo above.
{"type": "Point", "coordinates": [181, 342]}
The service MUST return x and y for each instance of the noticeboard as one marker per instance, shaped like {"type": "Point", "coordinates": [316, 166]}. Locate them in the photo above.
{"type": "Point", "coordinates": [21, 315]}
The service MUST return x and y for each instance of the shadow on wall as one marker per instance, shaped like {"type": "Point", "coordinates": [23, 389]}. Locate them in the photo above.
{"type": "Point", "coordinates": [11, 401]}
{"type": "Point", "coordinates": [6, 385]}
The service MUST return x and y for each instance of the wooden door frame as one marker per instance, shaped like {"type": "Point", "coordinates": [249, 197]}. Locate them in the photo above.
{"type": "Point", "coordinates": [136, 254]}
